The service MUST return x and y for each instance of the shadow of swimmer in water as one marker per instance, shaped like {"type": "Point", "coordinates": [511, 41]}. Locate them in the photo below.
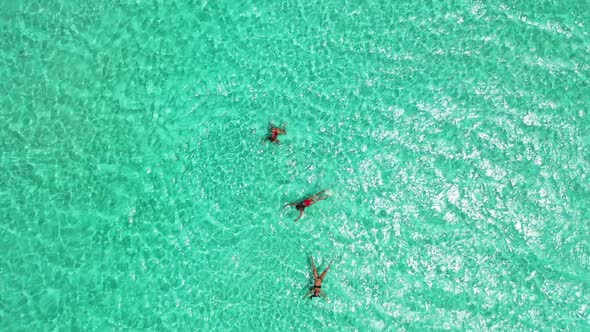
{"type": "Point", "coordinates": [316, 289]}
{"type": "Point", "coordinates": [308, 202]}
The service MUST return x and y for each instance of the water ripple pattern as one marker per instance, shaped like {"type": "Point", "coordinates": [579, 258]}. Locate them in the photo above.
{"type": "Point", "coordinates": [137, 192]}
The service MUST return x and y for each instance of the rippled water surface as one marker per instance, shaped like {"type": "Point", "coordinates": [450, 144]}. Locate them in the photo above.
{"type": "Point", "coordinates": [136, 192]}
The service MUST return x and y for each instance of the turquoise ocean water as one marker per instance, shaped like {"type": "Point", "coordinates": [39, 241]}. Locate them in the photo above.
{"type": "Point", "coordinates": [136, 192]}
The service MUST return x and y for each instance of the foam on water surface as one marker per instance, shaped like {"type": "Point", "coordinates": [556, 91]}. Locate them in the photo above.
{"type": "Point", "coordinates": [137, 192]}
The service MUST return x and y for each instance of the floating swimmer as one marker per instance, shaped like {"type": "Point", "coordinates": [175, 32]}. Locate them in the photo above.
{"type": "Point", "coordinates": [316, 289]}
{"type": "Point", "coordinates": [308, 202]}
{"type": "Point", "coordinates": [274, 132]}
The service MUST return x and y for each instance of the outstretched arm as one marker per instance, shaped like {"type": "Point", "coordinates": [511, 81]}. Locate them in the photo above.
{"type": "Point", "coordinates": [309, 293]}
{"type": "Point", "coordinates": [326, 271]}
{"type": "Point", "coordinates": [300, 215]}
{"type": "Point", "coordinates": [324, 296]}
{"type": "Point", "coordinates": [315, 271]}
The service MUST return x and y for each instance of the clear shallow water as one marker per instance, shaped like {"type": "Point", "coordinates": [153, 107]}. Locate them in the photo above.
{"type": "Point", "coordinates": [136, 192]}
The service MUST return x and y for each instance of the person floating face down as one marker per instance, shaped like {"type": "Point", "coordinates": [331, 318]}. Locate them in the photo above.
{"type": "Point", "coordinates": [308, 202]}
{"type": "Point", "coordinates": [274, 132]}
{"type": "Point", "coordinates": [316, 289]}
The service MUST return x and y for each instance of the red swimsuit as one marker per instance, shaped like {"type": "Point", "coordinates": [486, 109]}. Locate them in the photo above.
{"type": "Point", "coordinates": [307, 202]}
{"type": "Point", "coordinates": [273, 134]}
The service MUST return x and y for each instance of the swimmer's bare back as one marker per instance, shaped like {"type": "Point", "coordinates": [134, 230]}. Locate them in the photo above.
{"type": "Point", "coordinates": [308, 202]}
{"type": "Point", "coordinates": [316, 289]}
{"type": "Point", "coordinates": [274, 132]}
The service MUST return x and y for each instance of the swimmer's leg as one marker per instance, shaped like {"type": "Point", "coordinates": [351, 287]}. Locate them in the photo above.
{"type": "Point", "coordinates": [326, 271]}
{"type": "Point", "coordinates": [315, 271]}
{"type": "Point", "coordinates": [320, 196]}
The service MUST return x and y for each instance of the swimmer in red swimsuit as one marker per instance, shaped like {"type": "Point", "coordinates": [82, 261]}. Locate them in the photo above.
{"type": "Point", "coordinates": [316, 290]}
{"type": "Point", "coordinates": [274, 132]}
{"type": "Point", "coordinates": [308, 202]}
